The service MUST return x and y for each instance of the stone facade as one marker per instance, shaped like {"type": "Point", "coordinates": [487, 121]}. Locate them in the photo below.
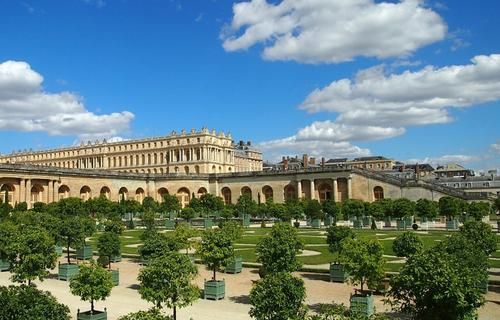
{"type": "Point", "coordinates": [188, 153]}
{"type": "Point", "coordinates": [20, 183]}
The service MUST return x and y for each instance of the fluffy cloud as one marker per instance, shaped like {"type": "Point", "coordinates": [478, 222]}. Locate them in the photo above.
{"type": "Point", "coordinates": [446, 159]}
{"type": "Point", "coordinates": [496, 147]}
{"type": "Point", "coordinates": [317, 31]}
{"type": "Point", "coordinates": [25, 106]}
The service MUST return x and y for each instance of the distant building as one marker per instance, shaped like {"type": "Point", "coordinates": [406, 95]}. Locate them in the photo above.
{"type": "Point", "coordinates": [452, 171]}
{"type": "Point", "coordinates": [411, 171]}
{"type": "Point", "coordinates": [377, 163]}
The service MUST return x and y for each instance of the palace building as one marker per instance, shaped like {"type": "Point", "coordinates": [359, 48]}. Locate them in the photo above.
{"type": "Point", "coordinates": [191, 152]}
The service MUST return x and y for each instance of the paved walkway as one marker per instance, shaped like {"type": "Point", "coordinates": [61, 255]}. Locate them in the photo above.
{"type": "Point", "coordinates": [125, 298]}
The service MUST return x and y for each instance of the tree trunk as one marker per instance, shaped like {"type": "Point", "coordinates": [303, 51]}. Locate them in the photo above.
{"type": "Point", "coordinates": [109, 263]}
{"type": "Point", "coordinates": [91, 306]}
{"type": "Point", "coordinates": [69, 261]}
{"type": "Point", "coordinates": [175, 313]}
{"type": "Point", "coordinates": [215, 268]}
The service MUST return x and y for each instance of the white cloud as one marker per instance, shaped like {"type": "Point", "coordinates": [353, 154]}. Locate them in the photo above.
{"type": "Point", "coordinates": [446, 159]}
{"type": "Point", "coordinates": [338, 132]}
{"type": "Point", "coordinates": [495, 147]}
{"type": "Point", "coordinates": [25, 106]}
{"type": "Point", "coordinates": [317, 31]}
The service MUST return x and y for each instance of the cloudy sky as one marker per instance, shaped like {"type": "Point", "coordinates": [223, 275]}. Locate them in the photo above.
{"type": "Point", "coordinates": [412, 80]}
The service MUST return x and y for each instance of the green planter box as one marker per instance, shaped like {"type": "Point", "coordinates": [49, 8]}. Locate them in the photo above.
{"type": "Point", "coordinates": [367, 221]}
{"type": "Point", "coordinates": [381, 288]}
{"type": "Point", "coordinates": [214, 290]}
{"type": "Point", "coordinates": [358, 224]}
{"type": "Point", "coordinates": [451, 224]}
{"type": "Point", "coordinates": [117, 258]}
{"type": "Point", "coordinates": [328, 221]}
{"type": "Point", "coordinates": [97, 315]}
{"type": "Point", "coordinates": [67, 271]}
{"type": "Point", "coordinates": [362, 305]}
{"type": "Point", "coordinates": [172, 215]}
{"type": "Point", "coordinates": [316, 223]}
{"type": "Point", "coordinates": [337, 273]}
{"type": "Point", "coordinates": [308, 222]}
{"type": "Point", "coordinates": [84, 253]}
{"type": "Point", "coordinates": [401, 224]}
{"type": "Point", "coordinates": [387, 222]}
{"type": "Point", "coordinates": [143, 262]}
{"type": "Point", "coordinates": [408, 221]}
{"type": "Point", "coordinates": [246, 221]}
{"type": "Point", "coordinates": [170, 224]}
{"type": "Point", "coordinates": [4, 265]}
{"type": "Point", "coordinates": [115, 276]}
{"type": "Point", "coordinates": [58, 250]}
{"type": "Point", "coordinates": [208, 223]}
{"type": "Point", "coordinates": [483, 287]}
{"type": "Point", "coordinates": [192, 258]}
{"type": "Point", "coordinates": [234, 266]}
{"type": "Point", "coordinates": [498, 226]}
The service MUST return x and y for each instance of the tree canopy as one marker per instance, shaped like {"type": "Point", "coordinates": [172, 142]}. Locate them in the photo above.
{"type": "Point", "coordinates": [407, 244]}
{"type": "Point", "coordinates": [216, 250]}
{"type": "Point", "coordinates": [335, 235]}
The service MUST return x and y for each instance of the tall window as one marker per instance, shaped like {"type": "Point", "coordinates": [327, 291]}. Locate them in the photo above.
{"type": "Point", "coordinates": [378, 193]}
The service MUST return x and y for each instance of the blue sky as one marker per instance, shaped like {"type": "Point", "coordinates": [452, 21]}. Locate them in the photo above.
{"type": "Point", "coordinates": [332, 78]}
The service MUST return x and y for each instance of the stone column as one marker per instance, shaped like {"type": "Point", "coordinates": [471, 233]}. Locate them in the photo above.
{"type": "Point", "coordinates": [22, 190]}
{"type": "Point", "coordinates": [349, 188]}
{"type": "Point", "coordinates": [299, 189]}
{"type": "Point", "coordinates": [28, 193]}
{"type": "Point", "coordinates": [50, 192]}
{"type": "Point", "coordinates": [313, 192]}
{"type": "Point", "coordinates": [56, 190]}
{"type": "Point", "coordinates": [335, 191]}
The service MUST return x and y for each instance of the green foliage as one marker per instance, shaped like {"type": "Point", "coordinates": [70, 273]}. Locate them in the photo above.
{"type": "Point", "coordinates": [481, 235]}
{"type": "Point", "coordinates": [407, 244]}
{"type": "Point", "coordinates": [278, 210]}
{"type": "Point", "coordinates": [278, 296]}
{"type": "Point", "coordinates": [167, 281]}
{"type": "Point", "coordinates": [109, 244]}
{"type": "Point", "coordinates": [449, 207]}
{"type": "Point", "coordinates": [31, 253]}
{"type": "Point", "coordinates": [39, 207]}
{"type": "Point", "coordinates": [152, 314]}
{"type": "Point", "coordinates": [92, 283]}
{"type": "Point", "coordinates": [233, 229]}
{"type": "Point", "coordinates": [27, 302]}
{"type": "Point", "coordinates": [313, 209]}
{"type": "Point", "coordinates": [376, 209]}
{"type": "Point", "coordinates": [170, 204]}
{"type": "Point", "coordinates": [332, 208]}
{"type": "Point", "coordinates": [478, 210]}
{"type": "Point", "coordinates": [115, 226]}
{"type": "Point", "coordinates": [294, 208]}
{"type": "Point", "coordinates": [353, 208]}
{"type": "Point", "coordinates": [335, 235]}
{"type": "Point", "coordinates": [148, 220]}
{"type": "Point", "coordinates": [228, 212]}
{"type": "Point", "coordinates": [183, 233]}
{"type": "Point", "coordinates": [496, 205]}
{"type": "Point", "coordinates": [101, 207]}
{"type": "Point", "coordinates": [187, 213]}
{"type": "Point", "coordinates": [363, 259]}
{"type": "Point", "coordinates": [131, 224]}
{"type": "Point", "coordinates": [340, 312]}
{"type": "Point", "coordinates": [403, 207]}
{"type": "Point", "coordinates": [157, 244]}
{"type": "Point", "coordinates": [69, 207]}
{"type": "Point", "coordinates": [150, 204]}
{"type": "Point", "coordinates": [211, 203]}
{"type": "Point", "coordinates": [21, 207]}
{"type": "Point", "coordinates": [426, 208]}
{"type": "Point", "coordinates": [435, 285]}
{"type": "Point", "coordinates": [246, 205]}
{"type": "Point", "coordinates": [8, 231]}
{"type": "Point", "coordinates": [278, 251]}
{"type": "Point", "coordinates": [72, 230]}
{"type": "Point", "coordinates": [216, 250]}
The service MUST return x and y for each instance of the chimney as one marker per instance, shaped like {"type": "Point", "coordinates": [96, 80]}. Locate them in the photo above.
{"type": "Point", "coordinates": [249, 143]}
{"type": "Point", "coordinates": [312, 161]}
{"type": "Point", "coordinates": [322, 162]}
{"type": "Point", "coordinates": [283, 158]}
{"type": "Point", "coordinates": [285, 164]}
{"type": "Point", "coordinates": [305, 160]}
{"type": "Point", "coordinates": [241, 143]}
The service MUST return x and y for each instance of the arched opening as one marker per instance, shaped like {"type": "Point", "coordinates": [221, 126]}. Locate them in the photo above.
{"type": "Point", "coordinates": [122, 194]}
{"type": "Point", "coordinates": [184, 196]}
{"type": "Point", "coordinates": [63, 192]}
{"type": "Point", "coordinates": [201, 191]}
{"type": "Point", "coordinates": [139, 195]}
{"type": "Point", "coordinates": [7, 193]}
{"type": "Point", "coordinates": [378, 193]}
{"type": "Point", "coordinates": [267, 191]}
{"type": "Point", "coordinates": [197, 169]}
{"type": "Point", "coordinates": [161, 193]}
{"type": "Point", "coordinates": [226, 194]}
{"type": "Point", "coordinates": [85, 193]}
{"type": "Point", "coordinates": [105, 192]}
{"type": "Point", "coordinates": [325, 192]}
{"type": "Point", "coordinates": [246, 191]}
{"type": "Point", "coordinates": [36, 193]}
{"type": "Point", "coordinates": [186, 169]}
{"type": "Point", "coordinates": [290, 193]}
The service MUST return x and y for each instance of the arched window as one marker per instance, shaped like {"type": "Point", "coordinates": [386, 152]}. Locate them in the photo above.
{"type": "Point", "coordinates": [201, 191]}
{"type": "Point", "coordinates": [7, 193]}
{"type": "Point", "coordinates": [267, 191]}
{"type": "Point", "coordinates": [139, 195]}
{"type": "Point", "coordinates": [378, 193]}
{"type": "Point", "coordinates": [63, 192]}
{"type": "Point", "coordinates": [226, 194]}
{"type": "Point", "coordinates": [85, 193]}
{"type": "Point", "coordinates": [246, 191]}
{"type": "Point", "coordinates": [290, 192]}
{"type": "Point", "coordinates": [105, 192]}
{"type": "Point", "coordinates": [184, 196]}
{"type": "Point", "coordinates": [122, 194]}
{"type": "Point", "coordinates": [325, 192]}
{"type": "Point", "coordinates": [161, 193]}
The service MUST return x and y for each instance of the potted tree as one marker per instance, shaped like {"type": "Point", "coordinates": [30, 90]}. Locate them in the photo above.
{"type": "Point", "coordinates": [170, 206]}
{"type": "Point", "coordinates": [156, 244]}
{"type": "Point", "coordinates": [234, 231]}
{"type": "Point", "coordinates": [332, 212]}
{"type": "Point", "coordinates": [72, 231]}
{"type": "Point", "coordinates": [403, 209]}
{"type": "Point", "coordinates": [354, 209]}
{"type": "Point", "coordinates": [314, 212]}
{"type": "Point", "coordinates": [215, 250]}
{"type": "Point", "coordinates": [363, 259]}
{"type": "Point", "coordinates": [167, 281]}
{"type": "Point", "coordinates": [32, 253]}
{"type": "Point", "coordinates": [210, 204]}
{"type": "Point", "coordinates": [109, 246]}
{"type": "Point", "coordinates": [183, 234]}
{"type": "Point", "coordinates": [335, 236]}
{"type": "Point", "coordinates": [450, 207]}
{"type": "Point", "coordinates": [83, 250]}
{"type": "Point", "coordinates": [7, 232]}
{"type": "Point", "coordinates": [93, 283]}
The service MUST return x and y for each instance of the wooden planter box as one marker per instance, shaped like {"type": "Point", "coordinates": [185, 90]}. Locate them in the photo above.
{"type": "Point", "coordinates": [115, 276]}
{"type": "Point", "coordinates": [208, 223]}
{"type": "Point", "coordinates": [97, 315]}
{"type": "Point", "coordinates": [316, 223]}
{"type": "Point", "coordinates": [358, 224]}
{"type": "Point", "coordinates": [337, 273]}
{"type": "Point", "coordinates": [498, 226]}
{"type": "Point", "coordinates": [483, 287]}
{"type": "Point", "coordinates": [68, 271]}
{"type": "Point", "coordinates": [328, 221]}
{"type": "Point", "coordinates": [401, 224]}
{"type": "Point", "coordinates": [387, 222]}
{"type": "Point", "coordinates": [451, 224]}
{"type": "Point", "coordinates": [170, 224]}
{"type": "Point", "coordinates": [214, 290]}
{"type": "Point", "coordinates": [362, 304]}
{"type": "Point", "coordinates": [4, 265]}
{"type": "Point", "coordinates": [58, 250]}
{"type": "Point", "coordinates": [234, 266]}
{"type": "Point", "coordinates": [84, 253]}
